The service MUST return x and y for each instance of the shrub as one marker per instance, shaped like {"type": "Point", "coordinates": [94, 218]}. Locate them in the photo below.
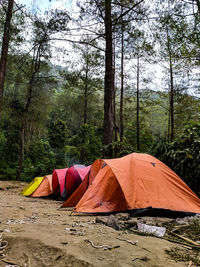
{"type": "Point", "coordinates": [183, 155]}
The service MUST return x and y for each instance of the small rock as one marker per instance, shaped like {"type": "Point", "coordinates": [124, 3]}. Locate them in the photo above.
{"type": "Point", "coordinates": [101, 220]}
{"type": "Point", "coordinates": [123, 216]}
{"type": "Point", "coordinates": [113, 222]}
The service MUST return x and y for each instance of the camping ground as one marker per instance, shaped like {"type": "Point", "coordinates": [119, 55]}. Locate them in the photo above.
{"type": "Point", "coordinates": [39, 233]}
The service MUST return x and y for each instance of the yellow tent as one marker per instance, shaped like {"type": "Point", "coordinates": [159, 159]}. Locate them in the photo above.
{"type": "Point", "coordinates": [32, 186]}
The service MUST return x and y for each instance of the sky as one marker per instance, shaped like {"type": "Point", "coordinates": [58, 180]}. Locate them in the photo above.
{"type": "Point", "coordinates": [40, 7]}
{"type": "Point", "coordinates": [45, 5]}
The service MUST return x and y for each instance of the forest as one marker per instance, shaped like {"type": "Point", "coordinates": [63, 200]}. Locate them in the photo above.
{"type": "Point", "coordinates": [101, 80]}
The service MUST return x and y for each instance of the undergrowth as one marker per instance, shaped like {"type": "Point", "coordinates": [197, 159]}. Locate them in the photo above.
{"type": "Point", "coordinates": [180, 254]}
{"type": "Point", "coordinates": [191, 231]}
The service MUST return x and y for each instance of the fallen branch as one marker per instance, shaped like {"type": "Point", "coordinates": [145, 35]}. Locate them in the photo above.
{"type": "Point", "coordinates": [3, 246]}
{"type": "Point", "coordinates": [186, 239]}
{"type": "Point", "coordinates": [178, 228]}
{"type": "Point", "coordinates": [128, 241]}
{"type": "Point", "coordinates": [186, 245]}
{"type": "Point", "coordinates": [141, 259]}
{"type": "Point", "coordinates": [105, 247]}
{"type": "Point", "coordinates": [29, 260]}
{"type": "Point", "coordinates": [147, 250]}
{"type": "Point", "coordinates": [3, 243]}
{"type": "Point", "coordinates": [10, 262]}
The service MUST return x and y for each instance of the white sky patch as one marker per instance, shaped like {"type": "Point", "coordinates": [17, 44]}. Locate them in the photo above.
{"type": "Point", "coordinates": [45, 5]}
{"type": "Point", "coordinates": [63, 53]}
{"type": "Point", "coordinates": [61, 4]}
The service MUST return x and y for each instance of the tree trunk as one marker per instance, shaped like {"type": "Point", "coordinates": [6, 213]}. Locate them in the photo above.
{"type": "Point", "coordinates": [21, 154]}
{"type": "Point", "coordinates": [171, 101]}
{"type": "Point", "coordinates": [198, 5]}
{"type": "Point", "coordinates": [169, 121]}
{"type": "Point", "coordinates": [138, 103]}
{"type": "Point", "coordinates": [4, 50]}
{"type": "Point", "coordinates": [109, 78]}
{"type": "Point", "coordinates": [122, 83]}
{"type": "Point", "coordinates": [22, 132]}
{"type": "Point", "coordinates": [114, 97]}
{"type": "Point", "coordinates": [86, 91]}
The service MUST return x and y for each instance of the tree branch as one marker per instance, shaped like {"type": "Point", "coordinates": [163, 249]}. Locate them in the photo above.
{"type": "Point", "coordinates": [100, 10]}
{"type": "Point", "coordinates": [79, 42]}
{"type": "Point", "coordinates": [18, 7]}
{"type": "Point", "coordinates": [126, 12]}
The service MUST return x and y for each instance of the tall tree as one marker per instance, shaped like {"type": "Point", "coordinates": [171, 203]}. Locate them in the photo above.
{"type": "Point", "coordinates": [109, 77]}
{"type": "Point", "coordinates": [122, 81]}
{"type": "Point", "coordinates": [141, 51]}
{"type": "Point", "coordinates": [4, 49]}
{"type": "Point", "coordinates": [171, 42]}
{"type": "Point", "coordinates": [33, 62]}
{"type": "Point", "coordinates": [138, 102]}
{"type": "Point", "coordinates": [34, 70]}
{"type": "Point", "coordinates": [109, 15]}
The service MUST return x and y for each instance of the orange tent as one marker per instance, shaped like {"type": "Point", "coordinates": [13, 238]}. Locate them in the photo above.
{"type": "Point", "coordinates": [135, 182]}
{"type": "Point", "coordinates": [45, 188]}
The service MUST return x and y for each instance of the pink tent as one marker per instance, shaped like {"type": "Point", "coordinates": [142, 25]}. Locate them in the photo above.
{"type": "Point", "coordinates": [74, 178]}
{"type": "Point", "coordinates": [58, 181]}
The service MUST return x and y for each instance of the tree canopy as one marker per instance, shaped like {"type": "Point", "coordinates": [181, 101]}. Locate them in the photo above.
{"type": "Point", "coordinates": [103, 80]}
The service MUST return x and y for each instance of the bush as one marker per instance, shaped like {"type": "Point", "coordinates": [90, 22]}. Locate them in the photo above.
{"type": "Point", "coordinates": [116, 149]}
{"type": "Point", "coordinates": [39, 160]}
{"type": "Point", "coordinates": [88, 144]}
{"type": "Point", "coordinates": [183, 155]}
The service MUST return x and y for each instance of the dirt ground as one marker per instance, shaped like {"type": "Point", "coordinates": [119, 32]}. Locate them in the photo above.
{"type": "Point", "coordinates": [40, 233]}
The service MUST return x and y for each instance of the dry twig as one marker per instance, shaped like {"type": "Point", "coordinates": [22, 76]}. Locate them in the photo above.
{"type": "Point", "coordinates": [3, 243]}
{"type": "Point", "coordinates": [142, 259]}
{"type": "Point", "coordinates": [186, 245]}
{"type": "Point", "coordinates": [186, 239]}
{"type": "Point", "coordinates": [105, 247]}
{"type": "Point", "coordinates": [128, 241]}
{"type": "Point", "coordinates": [10, 263]}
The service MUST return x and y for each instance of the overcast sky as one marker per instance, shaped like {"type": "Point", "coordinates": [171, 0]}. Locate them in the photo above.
{"type": "Point", "coordinates": [44, 5]}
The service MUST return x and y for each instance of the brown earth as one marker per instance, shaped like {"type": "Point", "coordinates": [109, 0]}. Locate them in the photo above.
{"type": "Point", "coordinates": [39, 233]}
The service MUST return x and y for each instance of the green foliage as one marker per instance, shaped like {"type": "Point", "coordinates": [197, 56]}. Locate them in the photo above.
{"type": "Point", "coordinates": [54, 137]}
{"type": "Point", "coordinates": [117, 149]}
{"type": "Point", "coordinates": [2, 143]}
{"type": "Point", "coordinates": [58, 134]}
{"type": "Point", "coordinates": [183, 155]}
{"type": "Point", "coordinates": [8, 156]}
{"type": "Point", "coordinates": [71, 155]}
{"type": "Point", "coordinates": [87, 143]}
{"type": "Point", "coordinates": [39, 159]}
{"type": "Point", "coordinates": [42, 157]}
{"type": "Point", "coordinates": [146, 137]}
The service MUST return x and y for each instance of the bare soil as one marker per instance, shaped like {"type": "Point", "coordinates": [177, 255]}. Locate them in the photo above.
{"type": "Point", "coordinates": [40, 233]}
